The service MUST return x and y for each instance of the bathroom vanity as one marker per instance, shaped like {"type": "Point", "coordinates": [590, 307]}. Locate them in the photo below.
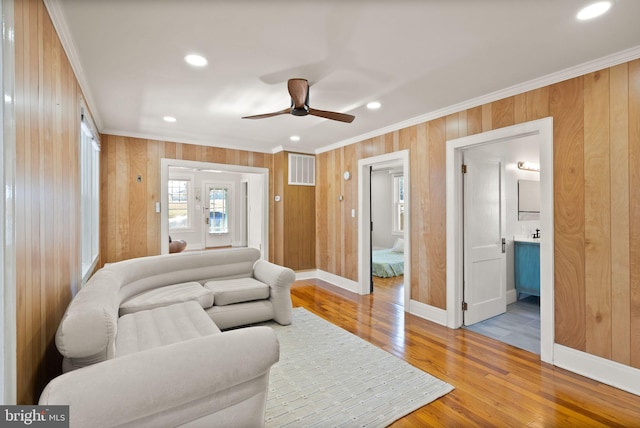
{"type": "Point", "coordinates": [527, 266]}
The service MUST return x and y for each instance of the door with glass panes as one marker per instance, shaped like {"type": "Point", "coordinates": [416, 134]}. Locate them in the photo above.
{"type": "Point", "coordinates": [217, 214]}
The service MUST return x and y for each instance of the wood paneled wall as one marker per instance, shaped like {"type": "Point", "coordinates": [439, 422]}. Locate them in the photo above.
{"type": "Point", "coordinates": [47, 194]}
{"type": "Point", "coordinates": [597, 203]}
{"type": "Point", "coordinates": [130, 226]}
{"type": "Point", "coordinates": [294, 219]}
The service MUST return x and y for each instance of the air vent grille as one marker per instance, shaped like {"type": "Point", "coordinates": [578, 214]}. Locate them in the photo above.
{"type": "Point", "coordinates": [302, 170]}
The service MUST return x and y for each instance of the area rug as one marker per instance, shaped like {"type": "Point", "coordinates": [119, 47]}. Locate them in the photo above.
{"type": "Point", "coordinates": [328, 377]}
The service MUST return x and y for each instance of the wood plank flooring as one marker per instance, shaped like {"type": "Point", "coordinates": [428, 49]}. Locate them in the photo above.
{"type": "Point", "coordinates": [496, 384]}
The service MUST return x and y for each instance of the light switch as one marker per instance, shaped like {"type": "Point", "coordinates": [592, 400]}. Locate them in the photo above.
{"type": "Point", "coordinates": [157, 207]}
{"type": "Point", "coordinates": [353, 212]}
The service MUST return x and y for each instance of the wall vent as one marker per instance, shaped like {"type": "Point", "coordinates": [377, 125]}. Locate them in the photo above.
{"type": "Point", "coordinates": [302, 170]}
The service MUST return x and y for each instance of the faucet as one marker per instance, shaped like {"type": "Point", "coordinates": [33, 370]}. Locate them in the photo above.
{"type": "Point", "coordinates": [537, 234]}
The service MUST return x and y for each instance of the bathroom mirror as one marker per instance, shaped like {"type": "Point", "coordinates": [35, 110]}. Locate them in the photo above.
{"type": "Point", "coordinates": [528, 200]}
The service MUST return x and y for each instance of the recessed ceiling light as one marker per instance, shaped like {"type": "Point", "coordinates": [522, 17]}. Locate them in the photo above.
{"type": "Point", "coordinates": [196, 60]}
{"type": "Point", "coordinates": [294, 138]}
{"type": "Point", "coordinates": [169, 119]}
{"type": "Point", "coordinates": [374, 105]}
{"type": "Point", "coordinates": [593, 10]}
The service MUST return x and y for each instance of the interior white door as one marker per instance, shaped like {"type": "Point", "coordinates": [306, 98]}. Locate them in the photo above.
{"type": "Point", "coordinates": [485, 268]}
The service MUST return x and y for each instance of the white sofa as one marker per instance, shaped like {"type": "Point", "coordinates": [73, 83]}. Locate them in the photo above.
{"type": "Point", "coordinates": [145, 337]}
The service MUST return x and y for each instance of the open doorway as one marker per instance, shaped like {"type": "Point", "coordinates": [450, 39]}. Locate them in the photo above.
{"type": "Point", "coordinates": [542, 130]}
{"type": "Point", "coordinates": [211, 205]}
{"type": "Point", "coordinates": [387, 230]}
{"type": "Point", "coordinates": [386, 207]}
{"type": "Point", "coordinates": [501, 223]}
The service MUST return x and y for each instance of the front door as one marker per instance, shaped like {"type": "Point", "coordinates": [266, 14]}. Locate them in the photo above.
{"type": "Point", "coordinates": [485, 269]}
{"type": "Point", "coordinates": [217, 214]}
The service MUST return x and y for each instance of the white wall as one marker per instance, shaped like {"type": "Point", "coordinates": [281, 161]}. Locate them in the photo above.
{"type": "Point", "coordinates": [382, 209]}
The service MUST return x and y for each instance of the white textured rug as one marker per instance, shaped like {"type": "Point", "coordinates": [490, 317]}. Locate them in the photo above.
{"type": "Point", "coordinates": [328, 377]}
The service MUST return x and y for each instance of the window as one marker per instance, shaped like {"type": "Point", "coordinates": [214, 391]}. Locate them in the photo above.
{"type": "Point", "coordinates": [398, 204]}
{"type": "Point", "coordinates": [218, 210]}
{"type": "Point", "coordinates": [179, 194]}
{"type": "Point", "coordinates": [89, 194]}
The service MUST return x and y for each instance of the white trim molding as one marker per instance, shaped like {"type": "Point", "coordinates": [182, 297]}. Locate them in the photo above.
{"type": "Point", "coordinates": [338, 281]}
{"type": "Point", "coordinates": [428, 312]}
{"type": "Point", "coordinates": [301, 275]}
{"type": "Point", "coordinates": [8, 347]}
{"type": "Point", "coordinates": [543, 128]}
{"type": "Point", "coordinates": [606, 371]}
{"type": "Point", "coordinates": [540, 82]}
{"type": "Point", "coordinates": [62, 28]}
{"type": "Point", "coordinates": [165, 163]}
{"type": "Point", "coordinates": [364, 220]}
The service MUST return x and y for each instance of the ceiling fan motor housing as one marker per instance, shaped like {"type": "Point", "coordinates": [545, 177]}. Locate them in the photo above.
{"type": "Point", "coordinates": [300, 111]}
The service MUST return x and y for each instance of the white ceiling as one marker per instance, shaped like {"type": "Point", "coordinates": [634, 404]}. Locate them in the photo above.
{"type": "Point", "coordinates": [415, 57]}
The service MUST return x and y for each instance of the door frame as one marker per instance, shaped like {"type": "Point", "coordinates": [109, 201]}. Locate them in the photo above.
{"type": "Point", "coordinates": [544, 129]}
{"type": "Point", "coordinates": [165, 163]}
{"type": "Point", "coordinates": [8, 322]}
{"type": "Point", "coordinates": [364, 221]}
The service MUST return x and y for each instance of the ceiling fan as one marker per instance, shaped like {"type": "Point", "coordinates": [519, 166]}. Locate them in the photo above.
{"type": "Point", "coordinates": [299, 91]}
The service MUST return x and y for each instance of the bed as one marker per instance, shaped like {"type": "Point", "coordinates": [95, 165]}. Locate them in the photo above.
{"type": "Point", "coordinates": [387, 263]}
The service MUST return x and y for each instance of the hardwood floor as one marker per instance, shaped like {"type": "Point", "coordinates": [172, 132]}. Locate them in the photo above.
{"type": "Point", "coordinates": [496, 384]}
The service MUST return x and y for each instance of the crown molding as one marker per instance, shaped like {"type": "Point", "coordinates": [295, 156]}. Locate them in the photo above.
{"type": "Point", "coordinates": [60, 24]}
{"type": "Point", "coordinates": [540, 82]}
{"type": "Point", "coordinates": [230, 144]}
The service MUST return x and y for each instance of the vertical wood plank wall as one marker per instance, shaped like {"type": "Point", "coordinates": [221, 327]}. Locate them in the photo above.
{"type": "Point", "coordinates": [294, 219]}
{"type": "Point", "coordinates": [596, 203]}
{"type": "Point", "coordinates": [597, 199]}
{"type": "Point", "coordinates": [130, 226]}
{"type": "Point", "coordinates": [47, 194]}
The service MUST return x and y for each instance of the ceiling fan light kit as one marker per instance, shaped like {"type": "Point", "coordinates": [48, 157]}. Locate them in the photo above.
{"type": "Point", "coordinates": [299, 92]}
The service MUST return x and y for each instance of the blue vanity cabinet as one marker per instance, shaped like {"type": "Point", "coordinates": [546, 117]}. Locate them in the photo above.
{"type": "Point", "coordinates": [527, 268]}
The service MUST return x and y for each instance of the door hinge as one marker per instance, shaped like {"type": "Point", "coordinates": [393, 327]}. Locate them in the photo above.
{"type": "Point", "coordinates": [464, 306]}
{"type": "Point", "coordinates": [464, 169]}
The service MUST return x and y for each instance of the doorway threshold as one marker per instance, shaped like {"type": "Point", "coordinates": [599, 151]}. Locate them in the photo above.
{"type": "Point", "coordinates": [519, 326]}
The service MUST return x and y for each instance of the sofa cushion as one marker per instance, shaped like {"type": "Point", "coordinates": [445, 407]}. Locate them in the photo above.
{"type": "Point", "coordinates": [168, 295]}
{"type": "Point", "coordinates": [240, 290]}
{"type": "Point", "coordinates": [162, 326]}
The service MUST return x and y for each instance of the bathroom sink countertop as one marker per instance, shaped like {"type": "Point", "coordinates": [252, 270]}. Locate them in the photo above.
{"type": "Point", "coordinates": [526, 239]}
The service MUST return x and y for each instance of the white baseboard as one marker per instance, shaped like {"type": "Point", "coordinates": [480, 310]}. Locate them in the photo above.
{"type": "Point", "coordinates": [597, 368]}
{"type": "Point", "coordinates": [306, 274]}
{"type": "Point", "coordinates": [331, 278]}
{"type": "Point", "coordinates": [428, 312]}
{"type": "Point", "coordinates": [338, 281]}
{"type": "Point", "coordinates": [512, 296]}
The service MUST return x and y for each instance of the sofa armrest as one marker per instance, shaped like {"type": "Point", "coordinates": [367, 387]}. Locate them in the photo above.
{"type": "Point", "coordinates": [279, 279]}
{"type": "Point", "coordinates": [221, 379]}
{"type": "Point", "coordinates": [273, 275]}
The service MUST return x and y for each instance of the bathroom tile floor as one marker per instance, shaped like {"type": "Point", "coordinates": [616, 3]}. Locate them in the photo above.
{"type": "Point", "coordinates": [519, 326]}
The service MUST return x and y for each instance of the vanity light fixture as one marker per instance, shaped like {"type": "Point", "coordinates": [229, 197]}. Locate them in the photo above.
{"type": "Point", "coordinates": [529, 166]}
{"type": "Point", "coordinates": [593, 10]}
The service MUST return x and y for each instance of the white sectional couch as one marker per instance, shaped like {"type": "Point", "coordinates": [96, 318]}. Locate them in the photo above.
{"type": "Point", "coordinates": [143, 346]}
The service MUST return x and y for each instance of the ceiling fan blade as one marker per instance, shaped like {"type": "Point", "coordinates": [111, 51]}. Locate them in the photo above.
{"type": "Point", "coordinates": [265, 115]}
{"type": "Point", "coordinates": [298, 89]}
{"type": "Point", "coordinates": [342, 117]}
